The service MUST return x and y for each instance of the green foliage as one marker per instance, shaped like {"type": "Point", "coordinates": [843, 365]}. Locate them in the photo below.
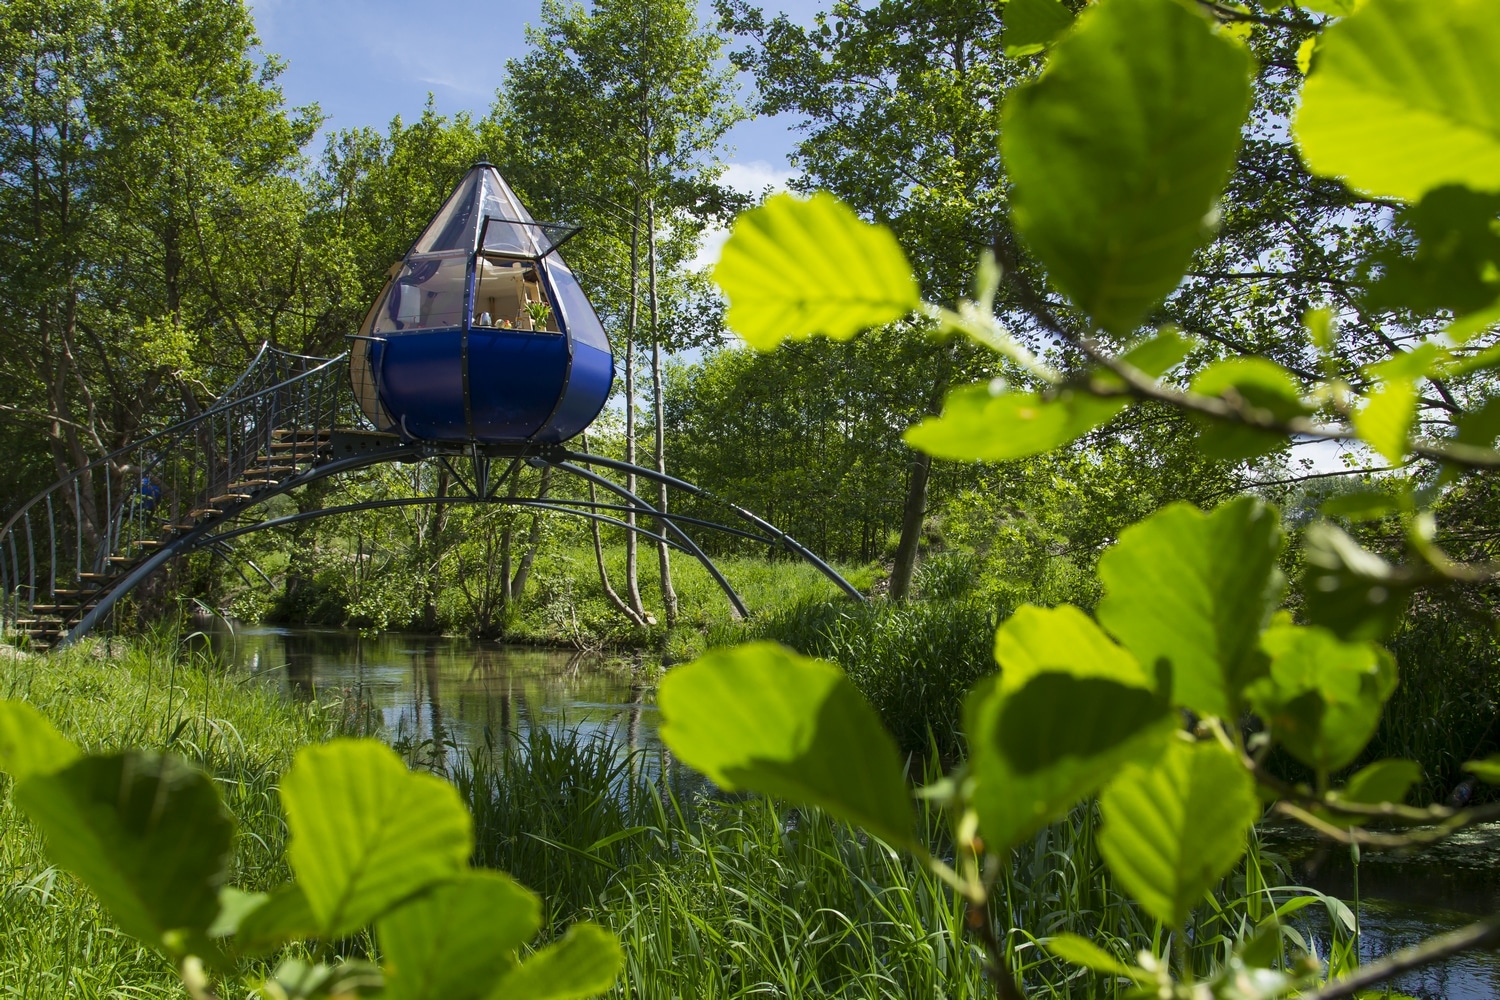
{"type": "Point", "coordinates": [1402, 98]}
{"type": "Point", "coordinates": [797, 267]}
{"type": "Point", "coordinates": [1194, 590]}
{"type": "Point", "coordinates": [1175, 826]}
{"type": "Point", "coordinates": [986, 423]}
{"type": "Point", "coordinates": [1119, 152]}
{"type": "Point", "coordinates": [1032, 25]}
{"type": "Point", "coordinates": [763, 718]}
{"type": "Point", "coordinates": [366, 833]}
{"type": "Point", "coordinates": [1322, 697]}
{"type": "Point", "coordinates": [146, 832]}
{"type": "Point", "coordinates": [1047, 658]}
{"type": "Point", "coordinates": [370, 843]}
{"type": "Point", "coordinates": [459, 939]}
{"type": "Point", "coordinates": [29, 744]}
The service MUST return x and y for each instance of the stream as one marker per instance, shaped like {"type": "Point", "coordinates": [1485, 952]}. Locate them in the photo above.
{"type": "Point", "coordinates": [441, 696]}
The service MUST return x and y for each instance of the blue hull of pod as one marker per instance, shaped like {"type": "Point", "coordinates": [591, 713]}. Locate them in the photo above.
{"type": "Point", "coordinates": [521, 385]}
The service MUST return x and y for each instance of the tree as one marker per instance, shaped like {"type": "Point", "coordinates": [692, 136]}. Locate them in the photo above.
{"type": "Point", "coordinates": [618, 115]}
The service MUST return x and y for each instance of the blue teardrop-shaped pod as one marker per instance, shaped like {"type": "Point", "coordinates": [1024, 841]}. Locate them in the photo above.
{"type": "Point", "coordinates": [482, 333]}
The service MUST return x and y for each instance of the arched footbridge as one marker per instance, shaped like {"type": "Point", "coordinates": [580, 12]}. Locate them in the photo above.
{"type": "Point", "coordinates": [78, 547]}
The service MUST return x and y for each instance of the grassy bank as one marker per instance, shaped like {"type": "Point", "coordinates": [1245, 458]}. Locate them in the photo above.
{"type": "Point", "coordinates": [55, 940]}
{"type": "Point", "coordinates": [716, 896]}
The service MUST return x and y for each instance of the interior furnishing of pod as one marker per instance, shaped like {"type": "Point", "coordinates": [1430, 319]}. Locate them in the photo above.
{"type": "Point", "coordinates": [482, 334]}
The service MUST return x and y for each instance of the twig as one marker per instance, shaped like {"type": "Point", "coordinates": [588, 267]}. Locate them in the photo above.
{"type": "Point", "coordinates": [1485, 933]}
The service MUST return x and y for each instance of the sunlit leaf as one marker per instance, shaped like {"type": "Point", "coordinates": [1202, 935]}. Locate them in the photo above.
{"type": "Point", "coordinates": [366, 833]}
{"type": "Point", "coordinates": [1173, 828]}
{"type": "Point", "coordinates": [796, 267]}
{"type": "Point", "coordinates": [1388, 780]}
{"type": "Point", "coordinates": [1060, 680]}
{"type": "Point", "coordinates": [280, 917]}
{"type": "Point", "coordinates": [1032, 25]}
{"type": "Point", "coordinates": [1456, 266]}
{"type": "Point", "coordinates": [985, 423]}
{"type": "Point", "coordinates": [1348, 589]}
{"type": "Point", "coordinates": [583, 964]}
{"type": "Point", "coordinates": [1119, 152]}
{"type": "Point", "coordinates": [1486, 770]}
{"type": "Point", "coordinates": [146, 832]}
{"type": "Point", "coordinates": [1194, 589]}
{"type": "Point", "coordinates": [761, 717]}
{"type": "Point", "coordinates": [1385, 421]}
{"type": "Point", "coordinates": [456, 940]}
{"type": "Point", "coordinates": [1323, 697]}
{"type": "Point", "coordinates": [1265, 388]}
{"type": "Point", "coordinates": [1404, 97]}
{"type": "Point", "coordinates": [29, 744]}
{"type": "Point", "coordinates": [1082, 951]}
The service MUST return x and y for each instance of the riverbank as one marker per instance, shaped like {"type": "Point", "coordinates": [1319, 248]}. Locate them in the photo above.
{"type": "Point", "coordinates": [55, 940]}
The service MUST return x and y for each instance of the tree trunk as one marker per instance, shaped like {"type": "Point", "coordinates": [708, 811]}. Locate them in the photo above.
{"type": "Point", "coordinates": [914, 510]}
{"type": "Point", "coordinates": [533, 541]}
{"type": "Point", "coordinates": [632, 582]}
{"type": "Point", "coordinates": [664, 554]}
{"type": "Point", "coordinates": [913, 513]}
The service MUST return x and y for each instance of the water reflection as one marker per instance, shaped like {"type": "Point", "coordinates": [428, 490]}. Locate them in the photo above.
{"type": "Point", "coordinates": [1405, 898]}
{"type": "Point", "coordinates": [447, 695]}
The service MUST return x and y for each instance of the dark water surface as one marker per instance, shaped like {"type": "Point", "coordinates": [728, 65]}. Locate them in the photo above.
{"type": "Point", "coordinates": [448, 694]}
{"type": "Point", "coordinates": [438, 697]}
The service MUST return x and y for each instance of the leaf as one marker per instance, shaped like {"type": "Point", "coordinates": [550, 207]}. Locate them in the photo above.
{"type": "Point", "coordinates": [1082, 951]}
{"type": "Point", "coordinates": [1456, 266]}
{"type": "Point", "coordinates": [1487, 770]}
{"type": "Point", "coordinates": [985, 423]}
{"type": "Point", "coordinates": [29, 744]}
{"type": "Point", "coordinates": [1174, 828]}
{"type": "Point", "coordinates": [1119, 152]}
{"type": "Point", "coordinates": [1482, 426]}
{"type": "Point", "coordinates": [759, 716]}
{"type": "Point", "coordinates": [1348, 589]}
{"type": "Point", "coordinates": [1388, 780]}
{"type": "Point", "coordinates": [281, 917]}
{"type": "Point", "coordinates": [1323, 697]}
{"type": "Point", "coordinates": [456, 940]}
{"type": "Point", "coordinates": [1362, 505]}
{"type": "Point", "coordinates": [1265, 387]}
{"type": "Point", "coordinates": [366, 833]}
{"type": "Point", "coordinates": [1032, 25]}
{"type": "Point", "coordinates": [797, 267]}
{"type": "Point", "coordinates": [1405, 97]}
{"type": "Point", "coordinates": [1385, 421]}
{"type": "Point", "coordinates": [146, 832]}
{"type": "Point", "coordinates": [1049, 658]}
{"type": "Point", "coordinates": [1195, 589]}
{"type": "Point", "coordinates": [234, 906]}
{"type": "Point", "coordinates": [584, 963]}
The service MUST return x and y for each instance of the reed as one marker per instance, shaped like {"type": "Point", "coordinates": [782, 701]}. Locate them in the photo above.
{"type": "Point", "coordinates": [717, 895]}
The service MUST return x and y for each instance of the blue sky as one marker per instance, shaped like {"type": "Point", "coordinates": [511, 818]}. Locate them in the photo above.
{"type": "Point", "coordinates": [364, 61]}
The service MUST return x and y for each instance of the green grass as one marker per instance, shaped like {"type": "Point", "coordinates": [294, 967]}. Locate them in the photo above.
{"type": "Point", "coordinates": [914, 661]}
{"type": "Point", "coordinates": [55, 940]}
{"type": "Point", "coordinates": [730, 896]}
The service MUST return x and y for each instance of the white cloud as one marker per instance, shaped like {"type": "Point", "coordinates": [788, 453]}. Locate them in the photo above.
{"type": "Point", "coordinates": [752, 178]}
{"type": "Point", "coordinates": [757, 175]}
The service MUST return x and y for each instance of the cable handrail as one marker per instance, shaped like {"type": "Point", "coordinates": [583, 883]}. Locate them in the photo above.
{"type": "Point", "coordinates": [221, 406]}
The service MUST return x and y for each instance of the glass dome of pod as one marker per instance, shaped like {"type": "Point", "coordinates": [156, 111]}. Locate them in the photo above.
{"type": "Point", "coordinates": [482, 335]}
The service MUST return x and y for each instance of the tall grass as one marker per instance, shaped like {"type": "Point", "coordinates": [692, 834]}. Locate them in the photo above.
{"type": "Point", "coordinates": [914, 661]}
{"type": "Point", "coordinates": [55, 939]}
{"type": "Point", "coordinates": [727, 896]}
